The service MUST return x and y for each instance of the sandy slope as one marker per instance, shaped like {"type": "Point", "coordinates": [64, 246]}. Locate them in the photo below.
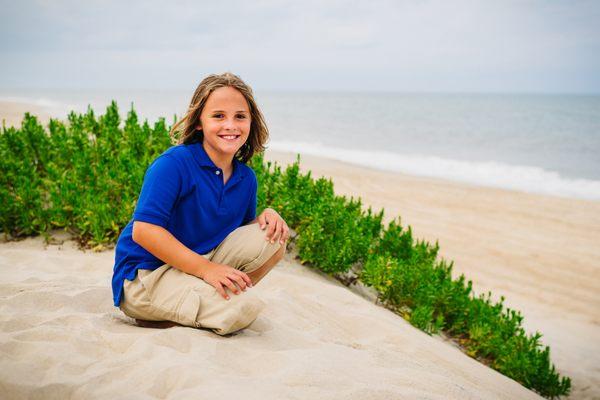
{"type": "Point", "coordinates": [60, 336]}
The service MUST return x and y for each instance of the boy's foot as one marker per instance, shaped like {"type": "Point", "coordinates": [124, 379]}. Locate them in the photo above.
{"type": "Point", "coordinates": [156, 324]}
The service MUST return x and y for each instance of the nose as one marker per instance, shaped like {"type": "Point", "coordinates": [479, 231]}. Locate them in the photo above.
{"type": "Point", "coordinates": [230, 124]}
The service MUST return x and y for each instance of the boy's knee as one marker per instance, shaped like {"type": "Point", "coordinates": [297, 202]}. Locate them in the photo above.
{"type": "Point", "coordinates": [258, 242]}
{"type": "Point", "coordinates": [237, 313]}
{"type": "Point", "coordinates": [247, 248]}
{"type": "Point", "coordinates": [258, 235]}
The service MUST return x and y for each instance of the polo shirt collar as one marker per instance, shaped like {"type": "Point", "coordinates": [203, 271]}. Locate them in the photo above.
{"type": "Point", "coordinates": [205, 161]}
{"type": "Point", "coordinates": [203, 158]}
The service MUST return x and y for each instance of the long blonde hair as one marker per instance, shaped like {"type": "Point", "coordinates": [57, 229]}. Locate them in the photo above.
{"type": "Point", "coordinates": [185, 130]}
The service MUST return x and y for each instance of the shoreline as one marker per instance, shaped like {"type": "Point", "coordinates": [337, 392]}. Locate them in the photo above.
{"type": "Point", "coordinates": [486, 174]}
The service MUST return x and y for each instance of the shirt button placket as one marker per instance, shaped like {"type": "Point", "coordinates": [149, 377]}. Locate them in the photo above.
{"type": "Point", "coordinates": [220, 205]}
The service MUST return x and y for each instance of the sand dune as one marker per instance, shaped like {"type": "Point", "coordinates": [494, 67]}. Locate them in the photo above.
{"type": "Point", "coordinates": [62, 338]}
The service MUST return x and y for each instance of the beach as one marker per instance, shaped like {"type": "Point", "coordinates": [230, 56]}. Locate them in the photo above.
{"type": "Point", "coordinates": [12, 112]}
{"type": "Point", "coordinates": [62, 337]}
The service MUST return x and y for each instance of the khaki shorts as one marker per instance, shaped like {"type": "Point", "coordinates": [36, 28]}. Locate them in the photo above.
{"type": "Point", "coordinates": [168, 294]}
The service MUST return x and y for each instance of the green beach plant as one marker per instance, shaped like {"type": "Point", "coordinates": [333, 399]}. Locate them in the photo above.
{"type": "Point", "coordinates": [84, 176]}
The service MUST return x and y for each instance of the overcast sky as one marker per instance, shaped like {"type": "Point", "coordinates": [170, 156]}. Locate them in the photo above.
{"type": "Point", "coordinates": [407, 46]}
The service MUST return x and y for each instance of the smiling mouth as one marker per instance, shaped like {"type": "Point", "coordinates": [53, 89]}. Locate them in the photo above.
{"type": "Point", "coordinates": [229, 137]}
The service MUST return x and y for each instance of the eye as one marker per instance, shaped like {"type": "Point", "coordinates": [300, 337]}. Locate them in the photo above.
{"type": "Point", "coordinates": [241, 116]}
{"type": "Point", "coordinates": [217, 115]}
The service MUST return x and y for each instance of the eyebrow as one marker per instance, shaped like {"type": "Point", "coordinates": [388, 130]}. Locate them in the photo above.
{"type": "Point", "coordinates": [222, 111]}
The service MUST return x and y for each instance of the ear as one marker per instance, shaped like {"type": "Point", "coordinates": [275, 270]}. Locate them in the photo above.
{"type": "Point", "coordinates": [199, 126]}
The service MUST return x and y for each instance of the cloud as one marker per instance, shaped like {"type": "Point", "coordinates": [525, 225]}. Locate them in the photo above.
{"type": "Point", "coordinates": [332, 45]}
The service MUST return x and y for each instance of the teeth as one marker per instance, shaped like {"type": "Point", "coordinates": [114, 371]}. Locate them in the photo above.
{"type": "Point", "coordinates": [229, 137]}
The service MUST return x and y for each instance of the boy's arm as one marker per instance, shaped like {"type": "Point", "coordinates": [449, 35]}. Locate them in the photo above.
{"type": "Point", "coordinates": [163, 245]}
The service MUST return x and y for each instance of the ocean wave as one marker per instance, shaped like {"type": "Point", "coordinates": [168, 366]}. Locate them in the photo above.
{"type": "Point", "coordinates": [491, 173]}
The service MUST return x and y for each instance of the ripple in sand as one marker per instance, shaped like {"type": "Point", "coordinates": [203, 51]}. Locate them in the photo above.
{"type": "Point", "coordinates": [35, 302]}
{"type": "Point", "coordinates": [92, 300]}
{"type": "Point", "coordinates": [177, 339]}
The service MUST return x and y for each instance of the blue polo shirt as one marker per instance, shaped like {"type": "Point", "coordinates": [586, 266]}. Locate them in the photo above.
{"type": "Point", "coordinates": [183, 192]}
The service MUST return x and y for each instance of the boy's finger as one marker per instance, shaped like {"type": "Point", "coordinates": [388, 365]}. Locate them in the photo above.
{"type": "Point", "coordinates": [271, 230]}
{"type": "Point", "coordinates": [278, 232]}
{"type": "Point", "coordinates": [221, 291]}
{"type": "Point", "coordinates": [231, 286]}
{"type": "Point", "coordinates": [239, 280]}
{"type": "Point", "coordinates": [245, 277]}
{"type": "Point", "coordinates": [261, 221]}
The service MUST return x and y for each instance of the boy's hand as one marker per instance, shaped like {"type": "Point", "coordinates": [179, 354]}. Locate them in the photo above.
{"type": "Point", "coordinates": [277, 228]}
{"type": "Point", "coordinates": [222, 276]}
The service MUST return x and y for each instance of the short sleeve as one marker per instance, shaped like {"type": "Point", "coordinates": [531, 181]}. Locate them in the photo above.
{"type": "Point", "coordinates": [251, 210]}
{"type": "Point", "coordinates": [160, 191]}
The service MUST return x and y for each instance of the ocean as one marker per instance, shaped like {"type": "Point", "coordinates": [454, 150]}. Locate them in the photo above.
{"type": "Point", "coordinates": [548, 144]}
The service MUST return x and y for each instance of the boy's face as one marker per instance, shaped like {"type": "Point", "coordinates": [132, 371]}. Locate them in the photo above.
{"type": "Point", "coordinates": [225, 122]}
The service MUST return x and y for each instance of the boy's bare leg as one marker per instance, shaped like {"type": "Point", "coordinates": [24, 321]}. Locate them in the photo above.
{"type": "Point", "coordinates": [259, 273]}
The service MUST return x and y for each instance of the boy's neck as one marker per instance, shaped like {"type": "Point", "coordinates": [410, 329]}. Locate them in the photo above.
{"type": "Point", "coordinates": [225, 163]}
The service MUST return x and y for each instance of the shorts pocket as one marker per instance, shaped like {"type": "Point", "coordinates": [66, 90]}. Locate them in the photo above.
{"type": "Point", "coordinates": [189, 309]}
{"type": "Point", "coordinates": [166, 288]}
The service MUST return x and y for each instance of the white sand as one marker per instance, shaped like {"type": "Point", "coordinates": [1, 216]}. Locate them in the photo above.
{"type": "Point", "coordinates": [62, 338]}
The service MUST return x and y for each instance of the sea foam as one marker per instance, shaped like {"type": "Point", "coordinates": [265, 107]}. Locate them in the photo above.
{"type": "Point", "coordinates": [491, 173]}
